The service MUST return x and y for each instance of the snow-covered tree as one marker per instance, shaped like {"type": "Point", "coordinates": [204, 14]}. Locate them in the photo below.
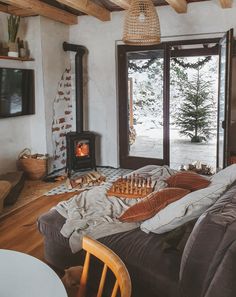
{"type": "Point", "coordinates": [194, 117]}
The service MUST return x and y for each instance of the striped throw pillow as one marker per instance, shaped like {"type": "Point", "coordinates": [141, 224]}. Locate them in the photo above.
{"type": "Point", "coordinates": [153, 203]}
{"type": "Point", "coordinates": [188, 180]}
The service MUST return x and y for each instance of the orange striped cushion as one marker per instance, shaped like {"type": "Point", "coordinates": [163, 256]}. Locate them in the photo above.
{"type": "Point", "coordinates": [153, 203]}
{"type": "Point", "coordinates": [188, 180]}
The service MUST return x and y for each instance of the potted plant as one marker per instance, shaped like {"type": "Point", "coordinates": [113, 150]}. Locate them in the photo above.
{"type": "Point", "coordinates": [13, 26]}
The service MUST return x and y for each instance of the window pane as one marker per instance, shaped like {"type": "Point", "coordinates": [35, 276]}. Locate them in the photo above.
{"type": "Point", "coordinates": [145, 98]}
{"type": "Point", "coordinates": [193, 111]}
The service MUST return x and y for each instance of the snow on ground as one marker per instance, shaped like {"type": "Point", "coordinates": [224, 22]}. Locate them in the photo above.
{"type": "Point", "coordinates": [149, 143]}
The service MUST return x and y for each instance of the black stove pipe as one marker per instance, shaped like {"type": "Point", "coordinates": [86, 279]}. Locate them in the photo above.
{"type": "Point", "coordinates": [80, 51]}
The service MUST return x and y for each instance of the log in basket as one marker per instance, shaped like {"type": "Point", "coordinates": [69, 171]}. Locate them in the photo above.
{"type": "Point", "coordinates": [34, 166]}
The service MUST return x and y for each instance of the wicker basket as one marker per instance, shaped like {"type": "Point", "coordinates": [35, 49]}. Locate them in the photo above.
{"type": "Point", "coordinates": [33, 168]}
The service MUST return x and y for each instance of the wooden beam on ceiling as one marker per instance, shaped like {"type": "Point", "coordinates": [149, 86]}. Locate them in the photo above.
{"type": "Point", "coordinates": [226, 3]}
{"type": "Point", "coordinates": [4, 8]}
{"type": "Point", "coordinates": [88, 7]}
{"type": "Point", "coordinates": [41, 8]}
{"type": "Point", "coordinates": [16, 11]}
{"type": "Point", "coordinates": [179, 6]}
{"type": "Point", "coordinates": [125, 4]}
{"type": "Point", "coordinates": [21, 12]}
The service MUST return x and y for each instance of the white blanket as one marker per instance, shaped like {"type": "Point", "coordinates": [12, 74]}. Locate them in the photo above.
{"type": "Point", "coordinates": [94, 214]}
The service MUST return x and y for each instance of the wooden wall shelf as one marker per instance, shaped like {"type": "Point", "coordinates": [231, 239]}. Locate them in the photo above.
{"type": "Point", "coordinates": [16, 59]}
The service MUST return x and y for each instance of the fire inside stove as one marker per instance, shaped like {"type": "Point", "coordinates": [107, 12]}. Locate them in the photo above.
{"type": "Point", "coordinates": [82, 148]}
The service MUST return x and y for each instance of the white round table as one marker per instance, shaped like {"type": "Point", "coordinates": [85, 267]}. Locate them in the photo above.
{"type": "Point", "coordinates": [22, 275]}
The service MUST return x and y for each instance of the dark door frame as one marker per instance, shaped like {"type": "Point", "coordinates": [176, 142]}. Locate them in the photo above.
{"type": "Point", "coordinates": [171, 49]}
{"type": "Point", "coordinates": [230, 51]}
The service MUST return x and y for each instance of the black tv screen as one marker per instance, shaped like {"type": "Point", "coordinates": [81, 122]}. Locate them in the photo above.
{"type": "Point", "coordinates": [16, 92]}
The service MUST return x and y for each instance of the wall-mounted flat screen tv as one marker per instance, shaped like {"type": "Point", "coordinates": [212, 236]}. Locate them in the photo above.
{"type": "Point", "coordinates": [17, 96]}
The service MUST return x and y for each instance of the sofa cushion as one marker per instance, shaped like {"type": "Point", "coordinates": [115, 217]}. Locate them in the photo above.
{"type": "Point", "coordinates": [153, 203]}
{"type": "Point", "coordinates": [226, 176]}
{"type": "Point", "coordinates": [210, 253]}
{"type": "Point", "coordinates": [151, 259]}
{"type": "Point", "coordinates": [181, 211]}
{"type": "Point", "coordinates": [188, 180]}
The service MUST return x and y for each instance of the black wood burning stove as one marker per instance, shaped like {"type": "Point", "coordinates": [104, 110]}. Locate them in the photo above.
{"type": "Point", "coordinates": [80, 144]}
{"type": "Point", "coordinates": [80, 151]}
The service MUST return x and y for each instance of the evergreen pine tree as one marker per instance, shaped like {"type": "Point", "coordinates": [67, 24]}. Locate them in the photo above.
{"type": "Point", "coordinates": [194, 117]}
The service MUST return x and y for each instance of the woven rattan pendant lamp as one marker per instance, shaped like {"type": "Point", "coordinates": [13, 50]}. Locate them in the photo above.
{"type": "Point", "coordinates": [142, 25]}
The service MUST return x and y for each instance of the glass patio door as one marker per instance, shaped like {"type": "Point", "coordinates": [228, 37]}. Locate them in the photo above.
{"type": "Point", "coordinates": [146, 111]}
{"type": "Point", "coordinates": [143, 111]}
{"type": "Point", "coordinates": [226, 46]}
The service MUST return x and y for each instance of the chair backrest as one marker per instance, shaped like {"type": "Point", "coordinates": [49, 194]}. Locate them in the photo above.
{"type": "Point", "coordinates": [111, 261]}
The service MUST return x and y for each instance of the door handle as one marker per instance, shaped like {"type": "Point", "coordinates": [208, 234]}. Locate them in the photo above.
{"type": "Point", "coordinates": [223, 124]}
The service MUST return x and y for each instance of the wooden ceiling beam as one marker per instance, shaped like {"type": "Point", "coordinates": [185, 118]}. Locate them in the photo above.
{"type": "Point", "coordinates": [125, 4]}
{"type": "Point", "coordinates": [43, 9]}
{"type": "Point", "coordinates": [4, 8]}
{"type": "Point", "coordinates": [16, 11]}
{"type": "Point", "coordinates": [226, 3]}
{"type": "Point", "coordinates": [21, 12]}
{"type": "Point", "coordinates": [88, 7]}
{"type": "Point", "coordinates": [179, 6]}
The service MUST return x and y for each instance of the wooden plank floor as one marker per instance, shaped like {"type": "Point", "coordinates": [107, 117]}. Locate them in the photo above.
{"type": "Point", "coordinates": [18, 230]}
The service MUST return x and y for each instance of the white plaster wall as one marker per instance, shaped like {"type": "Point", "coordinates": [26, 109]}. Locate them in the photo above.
{"type": "Point", "coordinates": [99, 38]}
{"type": "Point", "coordinates": [55, 61]}
{"type": "Point", "coordinates": [206, 18]}
{"type": "Point", "coordinates": [45, 38]}
{"type": "Point", "coordinates": [25, 131]}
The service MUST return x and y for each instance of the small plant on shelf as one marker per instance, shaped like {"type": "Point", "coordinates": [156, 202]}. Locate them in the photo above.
{"type": "Point", "coordinates": [13, 27]}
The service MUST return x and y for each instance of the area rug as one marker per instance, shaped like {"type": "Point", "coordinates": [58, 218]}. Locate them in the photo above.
{"type": "Point", "coordinates": [111, 175]}
{"type": "Point", "coordinates": [32, 190]}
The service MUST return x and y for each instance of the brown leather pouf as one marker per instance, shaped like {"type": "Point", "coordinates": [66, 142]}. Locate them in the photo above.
{"type": "Point", "coordinates": [5, 188]}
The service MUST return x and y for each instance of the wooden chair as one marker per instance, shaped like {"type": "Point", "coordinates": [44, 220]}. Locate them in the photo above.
{"type": "Point", "coordinates": [111, 261]}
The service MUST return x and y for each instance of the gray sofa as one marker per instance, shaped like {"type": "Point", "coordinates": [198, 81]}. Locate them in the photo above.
{"type": "Point", "coordinates": [195, 260]}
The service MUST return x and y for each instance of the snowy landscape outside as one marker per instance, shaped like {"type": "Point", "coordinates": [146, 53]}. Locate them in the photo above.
{"type": "Point", "coordinates": [146, 110]}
